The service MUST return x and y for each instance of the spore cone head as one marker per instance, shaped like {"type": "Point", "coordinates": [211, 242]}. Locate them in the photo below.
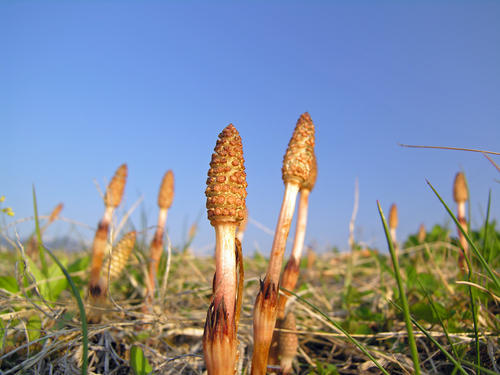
{"type": "Point", "coordinates": [298, 159]}
{"type": "Point", "coordinates": [166, 193]}
{"type": "Point", "coordinates": [120, 254]}
{"type": "Point", "coordinates": [460, 191]}
{"type": "Point", "coordinates": [226, 183]}
{"type": "Point", "coordinates": [393, 216]}
{"type": "Point", "coordinates": [114, 192]}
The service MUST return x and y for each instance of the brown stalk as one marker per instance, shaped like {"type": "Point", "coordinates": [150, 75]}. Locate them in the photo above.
{"type": "Point", "coordinates": [165, 199]}
{"type": "Point", "coordinates": [288, 343]}
{"type": "Point", "coordinates": [291, 272]}
{"type": "Point", "coordinates": [112, 199]}
{"type": "Point", "coordinates": [297, 167]}
{"type": "Point", "coordinates": [226, 193]}
{"type": "Point", "coordinates": [112, 269]}
{"type": "Point", "coordinates": [460, 196]}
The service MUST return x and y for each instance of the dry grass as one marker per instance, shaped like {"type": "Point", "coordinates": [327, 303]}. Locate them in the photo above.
{"type": "Point", "coordinates": [171, 337]}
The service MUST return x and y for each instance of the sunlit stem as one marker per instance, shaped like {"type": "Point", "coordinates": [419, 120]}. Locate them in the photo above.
{"type": "Point", "coordinates": [225, 267]}
{"type": "Point", "coordinates": [281, 233]}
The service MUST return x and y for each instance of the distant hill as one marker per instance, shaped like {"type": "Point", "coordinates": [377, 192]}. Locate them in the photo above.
{"type": "Point", "coordinates": [60, 243]}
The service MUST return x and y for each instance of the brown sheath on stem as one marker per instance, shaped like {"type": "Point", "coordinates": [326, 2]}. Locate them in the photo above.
{"type": "Point", "coordinates": [264, 319]}
{"type": "Point", "coordinates": [111, 270]}
{"type": "Point", "coordinates": [298, 163]}
{"type": "Point", "coordinates": [165, 199]}
{"type": "Point", "coordinates": [226, 193]}
{"type": "Point", "coordinates": [461, 195]}
{"type": "Point", "coordinates": [288, 343]}
{"type": "Point", "coordinates": [98, 251]}
{"type": "Point", "coordinates": [112, 199]}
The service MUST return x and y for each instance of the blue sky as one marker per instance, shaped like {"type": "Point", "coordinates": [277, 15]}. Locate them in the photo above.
{"type": "Point", "coordinates": [86, 86]}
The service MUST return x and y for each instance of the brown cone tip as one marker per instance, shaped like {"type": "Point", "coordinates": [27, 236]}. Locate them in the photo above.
{"type": "Point", "coordinates": [460, 192]}
{"type": "Point", "coordinates": [226, 183]}
{"type": "Point", "coordinates": [121, 254]}
{"type": "Point", "coordinates": [298, 159]}
{"type": "Point", "coordinates": [166, 193]}
{"type": "Point", "coordinates": [114, 192]}
{"type": "Point", "coordinates": [311, 181]}
{"type": "Point", "coordinates": [55, 213]}
{"type": "Point", "coordinates": [393, 216]}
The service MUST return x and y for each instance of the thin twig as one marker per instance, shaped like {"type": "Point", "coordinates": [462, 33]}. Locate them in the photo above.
{"type": "Point", "coordinates": [451, 148]}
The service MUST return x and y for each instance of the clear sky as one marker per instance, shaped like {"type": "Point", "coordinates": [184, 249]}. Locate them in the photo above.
{"type": "Point", "coordinates": [86, 86]}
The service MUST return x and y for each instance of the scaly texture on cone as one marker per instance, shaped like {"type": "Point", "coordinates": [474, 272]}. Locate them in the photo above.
{"type": "Point", "coordinates": [311, 180]}
{"type": "Point", "coordinates": [120, 255]}
{"type": "Point", "coordinates": [393, 216]}
{"type": "Point", "coordinates": [226, 183]}
{"type": "Point", "coordinates": [460, 191]}
{"type": "Point", "coordinates": [114, 192]}
{"type": "Point", "coordinates": [166, 193]}
{"type": "Point", "coordinates": [288, 343]}
{"type": "Point", "coordinates": [219, 341]}
{"type": "Point", "coordinates": [243, 225]}
{"type": "Point", "coordinates": [264, 320]}
{"type": "Point", "coordinates": [298, 159]}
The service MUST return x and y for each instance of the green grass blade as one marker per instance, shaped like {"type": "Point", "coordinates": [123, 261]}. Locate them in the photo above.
{"type": "Point", "coordinates": [435, 310]}
{"type": "Point", "coordinates": [485, 370]}
{"type": "Point", "coordinates": [351, 339]}
{"type": "Point", "coordinates": [406, 310]}
{"type": "Point", "coordinates": [74, 289]}
{"type": "Point", "coordinates": [477, 253]}
{"type": "Point", "coordinates": [486, 251]}
{"type": "Point", "coordinates": [39, 235]}
{"type": "Point", "coordinates": [429, 336]}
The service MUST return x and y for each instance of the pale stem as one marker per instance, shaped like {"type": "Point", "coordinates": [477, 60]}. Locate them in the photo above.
{"type": "Point", "coordinates": [461, 210]}
{"type": "Point", "coordinates": [225, 266]}
{"type": "Point", "coordinates": [162, 218]}
{"type": "Point", "coordinates": [281, 233]}
{"type": "Point", "coordinates": [463, 222]}
{"type": "Point", "coordinates": [155, 254]}
{"type": "Point", "coordinates": [393, 236]}
{"type": "Point", "coordinates": [108, 214]}
{"type": "Point", "coordinates": [300, 230]}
